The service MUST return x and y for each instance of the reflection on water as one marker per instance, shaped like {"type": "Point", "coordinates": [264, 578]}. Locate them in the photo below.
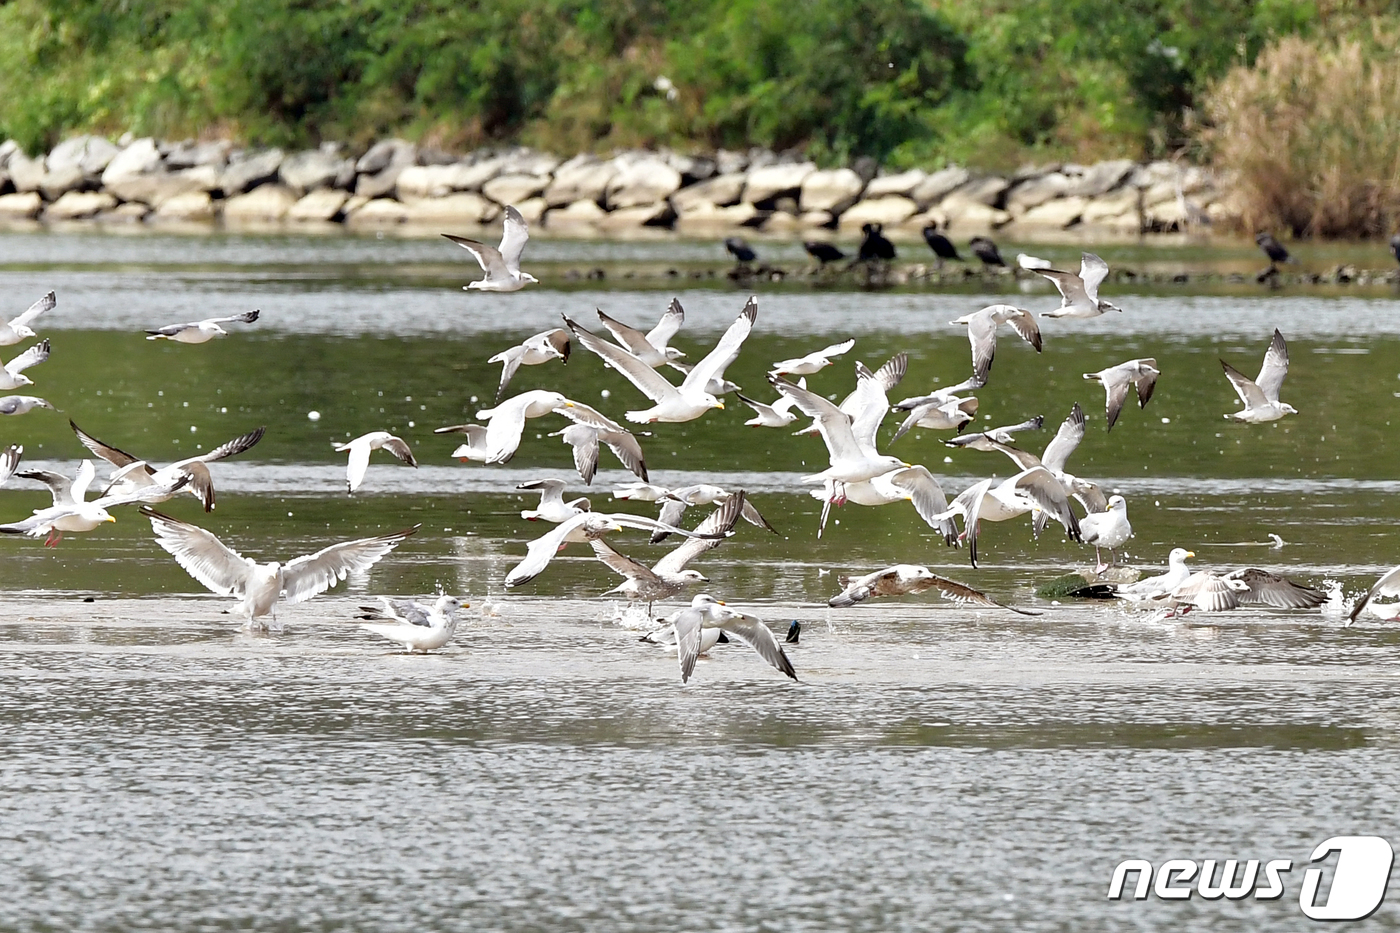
{"type": "Point", "coordinates": [546, 771]}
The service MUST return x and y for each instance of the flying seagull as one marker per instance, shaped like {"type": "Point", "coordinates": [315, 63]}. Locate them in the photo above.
{"type": "Point", "coordinates": [71, 512]}
{"type": "Point", "coordinates": [1140, 375]}
{"type": "Point", "coordinates": [20, 404]}
{"type": "Point", "coordinates": [1079, 294]}
{"type": "Point", "coordinates": [18, 328]}
{"type": "Point", "coordinates": [500, 438]}
{"type": "Point", "coordinates": [133, 473]}
{"type": "Point", "coordinates": [581, 528]}
{"type": "Point", "coordinates": [502, 266]}
{"type": "Point", "coordinates": [200, 331]}
{"type": "Point", "coordinates": [258, 587]}
{"type": "Point", "coordinates": [541, 348]}
{"type": "Point", "coordinates": [904, 579]}
{"type": "Point", "coordinates": [1260, 396]}
{"type": "Point", "coordinates": [10, 374]}
{"type": "Point", "coordinates": [982, 333]}
{"type": "Point", "coordinates": [813, 362]}
{"type": "Point", "coordinates": [592, 429]}
{"type": "Point", "coordinates": [707, 612]}
{"type": "Point", "coordinates": [360, 449]}
{"type": "Point", "coordinates": [650, 347]}
{"type": "Point", "coordinates": [552, 506]}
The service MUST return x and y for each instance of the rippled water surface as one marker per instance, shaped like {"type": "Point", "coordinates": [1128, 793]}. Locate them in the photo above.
{"type": "Point", "coordinates": [936, 767]}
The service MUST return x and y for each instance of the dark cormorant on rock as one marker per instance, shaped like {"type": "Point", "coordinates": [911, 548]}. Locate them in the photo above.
{"type": "Point", "coordinates": [942, 247]}
{"type": "Point", "coordinates": [985, 250]}
{"type": "Point", "coordinates": [874, 246]}
{"type": "Point", "coordinates": [1272, 248]}
{"type": "Point", "coordinates": [740, 250]}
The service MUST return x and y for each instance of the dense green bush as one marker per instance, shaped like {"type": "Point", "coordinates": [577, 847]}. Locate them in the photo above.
{"type": "Point", "coordinates": [991, 82]}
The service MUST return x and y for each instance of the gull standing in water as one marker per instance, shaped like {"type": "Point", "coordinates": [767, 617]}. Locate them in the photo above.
{"type": "Point", "coordinates": [1260, 396]}
{"type": "Point", "coordinates": [982, 333]}
{"type": "Point", "coordinates": [1079, 294]}
{"type": "Point", "coordinates": [133, 473]}
{"type": "Point", "coordinates": [10, 377]}
{"type": "Point", "coordinates": [690, 399]}
{"type": "Point", "coordinates": [502, 266]}
{"type": "Point", "coordinates": [200, 331]}
{"type": "Point", "coordinates": [18, 328]}
{"type": "Point", "coordinates": [360, 449]}
{"type": "Point", "coordinates": [541, 348]}
{"type": "Point", "coordinates": [1159, 586]}
{"type": "Point", "coordinates": [258, 587]}
{"type": "Point", "coordinates": [1107, 529]}
{"type": "Point", "coordinates": [707, 612]}
{"type": "Point", "coordinates": [1141, 375]}
{"type": "Point", "coordinates": [418, 627]}
{"type": "Point", "coordinates": [904, 579]}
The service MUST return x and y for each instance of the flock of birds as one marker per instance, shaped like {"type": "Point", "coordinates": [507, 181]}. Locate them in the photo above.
{"type": "Point", "coordinates": [857, 472]}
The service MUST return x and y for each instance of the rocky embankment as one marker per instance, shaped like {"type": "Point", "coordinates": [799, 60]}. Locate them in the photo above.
{"type": "Point", "coordinates": [396, 182]}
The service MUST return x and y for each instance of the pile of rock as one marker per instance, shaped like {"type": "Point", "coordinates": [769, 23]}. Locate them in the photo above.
{"type": "Point", "coordinates": [396, 182]}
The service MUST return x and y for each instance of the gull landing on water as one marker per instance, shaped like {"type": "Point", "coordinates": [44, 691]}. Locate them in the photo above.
{"type": "Point", "coordinates": [502, 266]}
{"type": "Point", "coordinates": [706, 612]}
{"type": "Point", "coordinates": [1260, 396]}
{"type": "Point", "coordinates": [200, 331]}
{"type": "Point", "coordinates": [259, 586]}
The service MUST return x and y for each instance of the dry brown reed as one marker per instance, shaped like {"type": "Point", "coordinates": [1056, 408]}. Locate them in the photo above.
{"type": "Point", "coordinates": [1311, 135]}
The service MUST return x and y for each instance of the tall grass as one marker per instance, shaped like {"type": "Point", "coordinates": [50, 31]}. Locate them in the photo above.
{"type": "Point", "coordinates": [1311, 134]}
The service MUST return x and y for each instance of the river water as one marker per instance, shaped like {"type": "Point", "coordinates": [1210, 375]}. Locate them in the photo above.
{"type": "Point", "coordinates": [936, 767]}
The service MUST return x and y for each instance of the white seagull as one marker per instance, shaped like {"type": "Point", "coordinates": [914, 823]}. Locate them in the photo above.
{"type": "Point", "coordinates": [9, 462]}
{"type": "Point", "coordinates": [591, 428]}
{"type": "Point", "coordinates": [541, 348]}
{"type": "Point", "coordinates": [505, 426]}
{"type": "Point", "coordinates": [904, 579]}
{"type": "Point", "coordinates": [583, 527]}
{"type": "Point", "coordinates": [21, 404]}
{"type": "Point", "coordinates": [10, 377]}
{"type": "Point", "coordinates": [418, 627]}
{"type": "Point", "coordinates": [1260, 396]}
{"type": "Point", "coordinates": [1079, 294]}
{"type": "Point", "coordinates": [258, 587]}
{"type": "Point", "coordinates": [651, 348]}
{"type": "Point", "coordinates": [70, 511]}
{"type": "Point", "coordinates": [502, 266]}
{"type": "Point", "coordinates": [777, 415]}
{"type": "Point", "coordinates": [674, 503]}
{"type": "Point", "coordinates": [200, 331]}
{"type": "Point", "coordinates": [982, 333]}
{"type": "Point", "coordinates": [1029, 490]}
{"type": "Point", "coordinates": [1159, 586]}
{"type": "Point", "coordinates": [1387, 586]}
{"type": "Point", "coordinates": [690, 399]}
{"type": "Point", "coordinates": [914, 484]}
{"type": "Point", "coordinates": [133, 473]}
{"type": "Point", "coordinates": [18, 329]}
{"type": "Point", "coordinates": [707, 612]}
{"type": "Point", "coordinates": [813, 362]}
{"type": "Point", "coordinates": [360, 449]}
{"type": "Point", "coordinates": [552, 506]}
{"type": "Point", "coordinates": [941, 410]}
{"type": "Point", "coordinates": [1140, 375]}
{"type": "Point", "coordinates": [669, 575]}
{"type": "Point", "coordinates": [1108, 529]}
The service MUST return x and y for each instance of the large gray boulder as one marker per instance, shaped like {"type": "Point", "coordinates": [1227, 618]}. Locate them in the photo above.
{"type": "Point", "coordinates": [155, 188]}
{"type": "Point", "coordinates": [380, 167]}
{"type": "Point", "coordinates": [312, 169]}
{"type": "Point", "coordinates": [833, 191]}
{"type": "Point", "coordinates": [989, 191]}
{"type": "Point", "coordinates": [250, 171]}
{"type": "Point", "coordinates": [584, 177]}
{"type": "Point", "coordinates": [190, 154]}
{"type": "Point", "coordinates": [890, 210]}
{"type": "Point", "coordinates": [323, 204]}
{"type": "Point", "coordinates": [642, 182]}
{"type": "Point", "coordinates": [1036, 192]}
{"type": "Point", "coordinates": [1102, 178]}
{"type": "Point", "coordinates": [523, 161]}
{"type": "Point", "coordinates": [720, 191]}
{"type": "Point", "coordinates": [513, 187]}
{"type": "Point", "coordinates": [939, 185]}
{"type": "Point", "coordinates": [776, 181]}
{"type": "Point", "coordinates": [902, 184]}
{"type": "Point", "coordinates": [264, 204]}
{"type": "Point", "coordinates": [60, 181]}
{"type": "Point", "coordinates": [79, 205]}
{"type": "Point", "coordinates": [24, 205]}
{"type": "Point", "coordinates": [27, 174]}
{"type": "Point", "coordinates": [88, 154]}
{"type": "Point", "coordinates": [138, 158]}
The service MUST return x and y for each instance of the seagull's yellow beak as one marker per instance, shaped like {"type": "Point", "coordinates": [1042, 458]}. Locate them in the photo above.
{"type": "Point", "coordinates": [466, 605]}
{"type": "Point", "coordinates": [1190, 553]}
{"type": "Point", "coordinates": [721, 602]}
{"type": "Point", "coordinates": [568, 404]}
{"type": "Point", "coordinates": [109, 519]}
{"type": "Point", "coordinates": [719, 403]}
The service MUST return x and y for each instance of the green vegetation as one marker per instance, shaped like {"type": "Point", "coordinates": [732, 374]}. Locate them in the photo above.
{"type": "Point", "coordinates": [987, 82]}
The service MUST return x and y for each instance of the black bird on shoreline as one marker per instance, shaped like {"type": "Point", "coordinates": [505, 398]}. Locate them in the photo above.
{"type": "Point", "coordinates": [823, 252]}
{"type": "Point", "coordinates": [985, 250]}
{"type": "Point", "coordinates": [743, 253]}
{"type": "Point", "coordinates": [874, 246]}
{"type": "Point", "coordinates": [1272, 248]}
{"type": "Point", "coordinates": [1395, 247]}
{"type": "Point", "coordinates": [942, 247]}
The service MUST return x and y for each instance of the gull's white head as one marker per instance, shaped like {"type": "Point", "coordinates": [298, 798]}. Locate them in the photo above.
{"type": "Point", "coordinates": [673, 354]}
{"type": "Point", "coordinates": [1178, 555]}
{"type": "Point", "coordinates": [452, 603]}
{"type": "Point", "coordinates": [1287, 409]}
{"type": "Point", "coordinates": [1117, 504]}
{"type": "Point", "coordinates": [712, 402]}
{"type": "Point", "coordinates": [528, 279]}
{"type": "Point", "coordinates": [693, 576]}
{"type": "Point", "coordinates": [704, 601]}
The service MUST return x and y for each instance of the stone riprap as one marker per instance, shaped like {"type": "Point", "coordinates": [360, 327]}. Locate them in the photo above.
{"type": "Point", "coordinates": [91, 179]}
